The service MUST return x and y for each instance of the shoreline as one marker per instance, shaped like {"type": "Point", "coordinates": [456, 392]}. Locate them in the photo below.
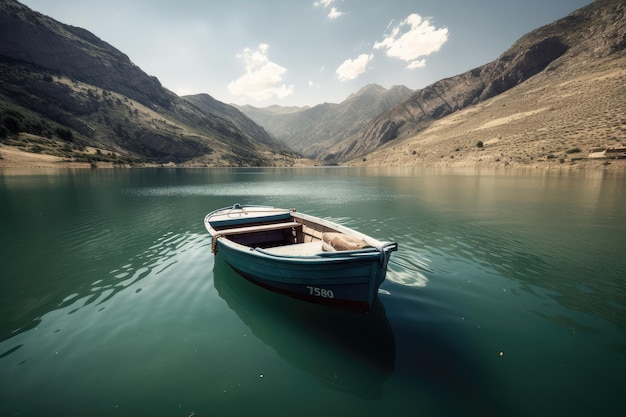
{"type": "Point", "coordinates": [15, 161]}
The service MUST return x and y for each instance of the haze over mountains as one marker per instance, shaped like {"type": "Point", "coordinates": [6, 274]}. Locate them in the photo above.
{"type": "Point", "coordinates": [554, 95]}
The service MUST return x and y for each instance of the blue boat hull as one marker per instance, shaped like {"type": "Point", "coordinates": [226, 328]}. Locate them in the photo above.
{"type": "Point", "coordinates": [349, 282]}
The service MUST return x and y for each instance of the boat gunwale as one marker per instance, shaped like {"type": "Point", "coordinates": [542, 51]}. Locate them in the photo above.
{"type": "Point", "coordinates": [376, 247]}
{"type": "Point", "coordinates": [268, 209]}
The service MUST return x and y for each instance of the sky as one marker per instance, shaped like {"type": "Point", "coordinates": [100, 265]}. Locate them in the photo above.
{"type": "Point", "coordinates": [305, 52]}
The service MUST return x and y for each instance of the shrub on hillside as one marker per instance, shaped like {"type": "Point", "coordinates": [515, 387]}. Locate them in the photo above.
{"type": "Point", "coordinates": [64, 134]}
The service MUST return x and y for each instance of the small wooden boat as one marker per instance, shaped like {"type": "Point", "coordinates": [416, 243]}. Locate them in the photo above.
{"type": "Point", "coordinates": [301, 255]}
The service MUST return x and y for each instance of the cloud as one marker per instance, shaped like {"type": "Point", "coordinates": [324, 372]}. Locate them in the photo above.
{"type": "Point", "coordinates": [352, 68]}
{"type": "Point", "coordinates": [334, 12]}
{"type": "Point", "coordinates": [263, 78]}
{"type": "Point", "coordinates": [182, 91]}
{"type": "Point", "coordinates": [420, 63]}
{"type": "Point", "coordinates": [323, 3]}
{"type": "Point", "coordinates": [412, 38]}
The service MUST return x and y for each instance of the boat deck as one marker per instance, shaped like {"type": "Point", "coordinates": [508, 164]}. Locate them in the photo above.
{"type": "Point", "coordinates": [298, 249]}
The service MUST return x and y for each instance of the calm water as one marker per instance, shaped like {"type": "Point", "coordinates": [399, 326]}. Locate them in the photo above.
{"type": "Point", "coordinates": [507, 297]}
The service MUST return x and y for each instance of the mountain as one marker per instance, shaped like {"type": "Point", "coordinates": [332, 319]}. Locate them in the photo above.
{"type": "Point", "coordinates": [65, 92]}
{"type": "Point", "coordinates": [552, 98]}
{"type": "Point", "coordinates": [523, 97]}
{"type": "Point", "coordinates": [209, 105]}
{"type": "Point", "coordinates": [311, 131]}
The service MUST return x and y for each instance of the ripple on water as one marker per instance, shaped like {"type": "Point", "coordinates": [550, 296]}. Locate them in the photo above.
{"type": "Point", "coordinates": [145, 284]}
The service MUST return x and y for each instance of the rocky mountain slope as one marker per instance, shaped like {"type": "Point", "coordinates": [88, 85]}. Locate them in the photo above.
{"type": "Point", "coordinates": [65, 92]}
{"type": "Point", "coordinates": [560, 81]}
{"type": "Point", "coordinates": [209, 105]}
{"type": "Point", "coordinates": [311, 131]}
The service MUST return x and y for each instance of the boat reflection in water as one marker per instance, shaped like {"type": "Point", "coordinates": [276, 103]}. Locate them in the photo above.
{"type": "Point", "coordinates": [347, 351]}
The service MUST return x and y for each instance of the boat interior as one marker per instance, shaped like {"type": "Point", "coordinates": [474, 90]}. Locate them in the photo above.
{"type": "Point", "coordinates": [287, 235]}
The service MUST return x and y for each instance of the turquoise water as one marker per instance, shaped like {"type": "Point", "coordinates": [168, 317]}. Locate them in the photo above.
{"type": "Point", "coordinates": [507, 296]}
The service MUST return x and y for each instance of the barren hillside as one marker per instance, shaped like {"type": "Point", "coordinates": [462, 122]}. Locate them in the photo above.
{"type": "Point", "coordinates": [555, 119]}
{"type": "Point", "coordinates": [525, 108]}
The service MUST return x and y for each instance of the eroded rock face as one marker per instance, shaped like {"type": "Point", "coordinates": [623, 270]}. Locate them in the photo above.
{"type": "Point", "coordinates": [521, 67]}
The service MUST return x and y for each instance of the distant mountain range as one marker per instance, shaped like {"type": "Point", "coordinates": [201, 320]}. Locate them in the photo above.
{"type": "Point", "coordinates": [312, 131]}
{"type": "Point", "coordinates": [65, 92]}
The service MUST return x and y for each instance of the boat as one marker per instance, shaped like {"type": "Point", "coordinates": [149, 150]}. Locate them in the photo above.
{"type": "Point", "coordinates": [300, 255]}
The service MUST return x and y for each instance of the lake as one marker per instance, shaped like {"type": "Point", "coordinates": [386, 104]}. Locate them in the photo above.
{"type": "Point", "coordinates": [507, 296]}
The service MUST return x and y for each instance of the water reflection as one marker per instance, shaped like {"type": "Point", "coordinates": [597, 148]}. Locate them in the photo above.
{"type": "Point", "coordinates": [346, 351]}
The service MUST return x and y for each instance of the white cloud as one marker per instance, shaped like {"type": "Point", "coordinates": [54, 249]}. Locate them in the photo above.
{"type": "Point", "coordinates": [412, 38]}
{"type": "Point", "coordinates": [334, 12]}
{"type": "Point", "coordinates": [182, 91]}
{"type": "Point", "coordinates": [352, 68]}
{"type": "Point", "coordinates": [323, 3]}
{"type": "Point", "coordinates": [263, 78]}
{"type": "Point", "coordinates": [420, 63]}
